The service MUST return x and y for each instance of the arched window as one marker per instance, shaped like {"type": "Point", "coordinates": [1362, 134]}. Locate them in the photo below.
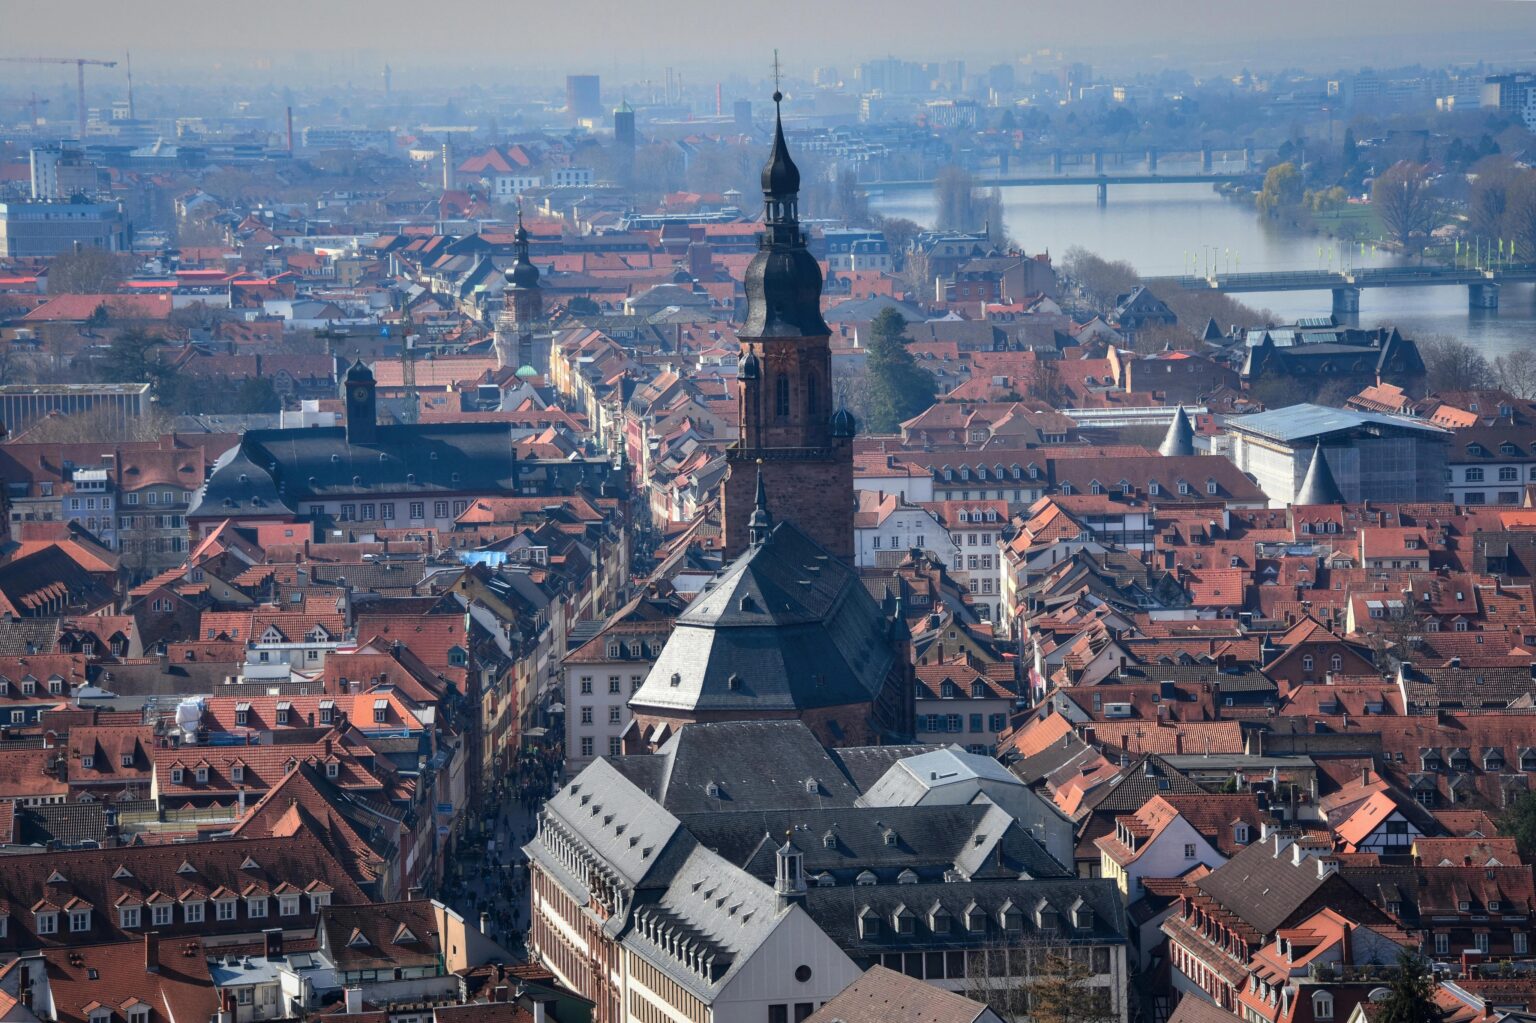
{"type": "Point", "coordinates": [781, 397]}
{"type": "Point", "coordinates": [811, 397]}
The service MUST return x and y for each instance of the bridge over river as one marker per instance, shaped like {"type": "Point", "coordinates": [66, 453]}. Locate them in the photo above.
{"type": "Point", "coordinates": [1482, 284]}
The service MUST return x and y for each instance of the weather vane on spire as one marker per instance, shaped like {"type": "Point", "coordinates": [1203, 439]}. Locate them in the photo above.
{"type": "Point", "coordinates": [777, 75]}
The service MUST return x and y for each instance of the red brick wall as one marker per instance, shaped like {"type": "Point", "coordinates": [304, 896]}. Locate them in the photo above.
{"type": "Point", "coordinates": [814, 491]}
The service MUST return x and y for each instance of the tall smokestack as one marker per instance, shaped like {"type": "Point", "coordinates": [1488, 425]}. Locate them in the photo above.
{"type": "Point", "coordinates": [290, 131]}
{"type": "Point", "coordinates": [719, 101]}
{"type": "Point", "coordinates": [447, 166]}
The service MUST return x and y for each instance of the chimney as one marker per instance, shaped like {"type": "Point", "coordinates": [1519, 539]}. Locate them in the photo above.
{"type": "Point", "coordinates": [1327, 865]}
{"type": "Point", "coordinates": [152, 952]}
{"type": "Point", "coordinates": [1365, 776]}
{"type": "Point", "coordinates": [354, 1000]}
{"type": "Point", "coordinates": [272, 942]}
{"type": "Point", "coordinates": [538, 1009]}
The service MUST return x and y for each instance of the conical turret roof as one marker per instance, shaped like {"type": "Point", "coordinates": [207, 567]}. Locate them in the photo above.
{"type": "Point", "coordinates": [1319, 487]}
{"type": "Point", "coordinates": [1180, 438]}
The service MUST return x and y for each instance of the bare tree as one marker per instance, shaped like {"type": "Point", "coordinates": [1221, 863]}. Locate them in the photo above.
{"type": "Point", "coordinates": [85, 272]}
{"type": "Point", "coordinates": [1453, 365]}
{"type": "Point", "coordinates": [1404, 205]}
{"type": "Point", "coordinates": [1516, 372]}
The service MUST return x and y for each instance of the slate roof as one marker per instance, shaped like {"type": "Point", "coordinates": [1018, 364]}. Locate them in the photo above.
{"type": "Point", "coordinates": [1261, 886]}
{"type": "Point", "coordinates": [883, 840]}
{"type": "Point", "coordinates": [754, 765]}
{"type": "Point", "coordinates": [836, 911]}
{"type": "Point", "coordinates": [784, 627]}
{"type": "Point", "coordinates": [284, 468]}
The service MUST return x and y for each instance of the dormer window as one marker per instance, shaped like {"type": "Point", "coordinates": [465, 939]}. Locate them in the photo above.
{"type": "Point", "coordinates": [975, 919]}
{"type": "Point", "coordinates": [237, 773]}
{"type": "Point", "coordinates": [902, 920]}
{"type": "Point", "coordinates": [327, 711]}
{"type": "Point", "coordinates": [177, 775]}
{"type": "Point", "coordinates": [87, 761]}
{"type": "Point", "coordinates": [1322, 1005]}
{"type": "Point", "coordinates": [284, 711]}
{"type": "Point", "coordinates": [202, 775]}
{"type": "Point", "coordinates": [869, 923]}
{"type": "Point", "coordinates": [1010, 918]}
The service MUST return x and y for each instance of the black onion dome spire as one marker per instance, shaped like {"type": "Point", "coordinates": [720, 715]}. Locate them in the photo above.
{"type": "Point", "coordinates": [780, 175]}
{"type": "Point", "coordinates": [522, 273]}
{"type": "Point", "coordinates": [783, 280]}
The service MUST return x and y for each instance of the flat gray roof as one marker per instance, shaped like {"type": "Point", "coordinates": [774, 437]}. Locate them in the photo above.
{"type": "Point", "coordinates": [1301, 422]}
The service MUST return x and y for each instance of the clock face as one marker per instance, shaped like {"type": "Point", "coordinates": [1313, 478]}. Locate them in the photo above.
{"type": "Point", "coordinates": [359, 394]}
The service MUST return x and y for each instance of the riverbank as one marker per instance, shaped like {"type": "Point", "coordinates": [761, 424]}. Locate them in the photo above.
{"type": "Point", "coordinates": [1161, 229]}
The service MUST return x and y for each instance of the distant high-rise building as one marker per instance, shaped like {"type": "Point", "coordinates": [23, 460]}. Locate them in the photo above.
{"type": "Point", "coordinates": [583, 96]}
{"type": "Point", "coordinates": [624, 127]}
{"type": "Point", "coordinates": [742, 111]}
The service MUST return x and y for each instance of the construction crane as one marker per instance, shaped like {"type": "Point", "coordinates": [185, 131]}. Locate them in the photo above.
{"type": "Point", "coordinates": [80, 63]}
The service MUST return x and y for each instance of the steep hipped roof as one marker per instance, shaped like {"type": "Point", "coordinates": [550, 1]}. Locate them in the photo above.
{"type": "Point", "coordinates": [784, 627]}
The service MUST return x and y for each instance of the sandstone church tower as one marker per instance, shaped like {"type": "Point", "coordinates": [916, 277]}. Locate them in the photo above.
{"type": "Point", "coordinates": [787, 425]}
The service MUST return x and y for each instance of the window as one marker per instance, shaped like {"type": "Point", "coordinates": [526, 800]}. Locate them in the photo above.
{"type": "Point", "coordinates": [1240, 834]}
{"type": "Point", "coordinates": [176, 775]}
{"type": "Point", "coordinates": [1520, 943]}
{"type": "Point", "coordinates": [586, 745]}
{"type": "Point", "coordinates": [1480, 939]}
{"type": "Point", "coordinates": [287, 905]}
{"type": "Point", "coordinates": [47, 923]}
{"type": "Point", "coordinates": [613, 715]}
{"type": "Point", "coordinates": [161, 914]}
{"type": "Point", "coordinates": [781, 397]}
{"type": "Point", "coordinates": [1322, 1005]}
{"type": "Point", "coordinates": [1509, 474]}
{"type": "Point", "coordinates": [810, 394]}
{"type": "Point", "coordinates": [193, 912]}
{"type": "Point", "coordinates": [976, 720]}
{"type": "Point", "coordinates": [202, 775]}
{"type": "Point", "coordinates": [256, 907]}
{"type": "Point", "coordinates": [1336, 662]}
{"type": "Point", "coordinates": [226, 909]}
{"type": "Point", "coordinates": [440, 509]}
{"type": "Point", "coordinates": [615, 746]}
{"type": "Point", "coordinates": [1442, 943]}
{"type": "Point", "coordinates": [418, 509]}
{"type": "Point", "coordinates": [1475, 475]}
{"type": "Point", "coordinates": [87, 761]}
{"type": "Point", "coordinates": [127, 916]}
{"type": "Point", "coordinates": [586, 715]}
{"type": "Point", "coordinates": [387, 511]}
{"type": "Point", "coordinates": [1306, 662]}
{"type": "Point", "coordinates": [1189, 850]}
{"type": "Point", "coordinates": [997, 722]}
{"type": "Point", "coordinates": [586, 687]}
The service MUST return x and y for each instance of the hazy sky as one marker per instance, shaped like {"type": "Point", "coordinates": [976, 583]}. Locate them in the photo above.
{"type": "Point", "coordinates": [543, 36]}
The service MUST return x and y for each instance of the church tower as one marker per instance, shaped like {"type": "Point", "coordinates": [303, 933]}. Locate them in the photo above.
{"type": "Point", "coordinates": [362, 407]}
{"type": "Point", "coordinates": [522, 308]}
{"type": "Point", "coordinates": [787, 428]}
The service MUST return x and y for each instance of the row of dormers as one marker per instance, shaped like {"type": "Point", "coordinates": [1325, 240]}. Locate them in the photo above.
{"type": "Point", "coordinates": [1009, 918]}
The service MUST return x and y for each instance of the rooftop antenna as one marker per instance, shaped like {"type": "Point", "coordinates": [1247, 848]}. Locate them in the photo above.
{"type": "Point", "coordinates": [128, 59]}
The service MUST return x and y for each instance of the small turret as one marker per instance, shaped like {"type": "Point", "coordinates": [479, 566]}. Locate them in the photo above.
{"type": "Point", "coordinates": [1180, 438]}
{"type": "Point", "coordinates": [1319, 486]}
{"type": "Point", "coordinates": [761, 523]}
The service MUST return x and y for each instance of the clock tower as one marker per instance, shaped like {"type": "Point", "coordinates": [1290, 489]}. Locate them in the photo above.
{"type": "Point", "coordinates": [358, 391]}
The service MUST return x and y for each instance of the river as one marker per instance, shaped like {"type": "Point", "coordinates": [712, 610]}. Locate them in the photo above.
{"type": "Point", "coordinates": [1159, 229]}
